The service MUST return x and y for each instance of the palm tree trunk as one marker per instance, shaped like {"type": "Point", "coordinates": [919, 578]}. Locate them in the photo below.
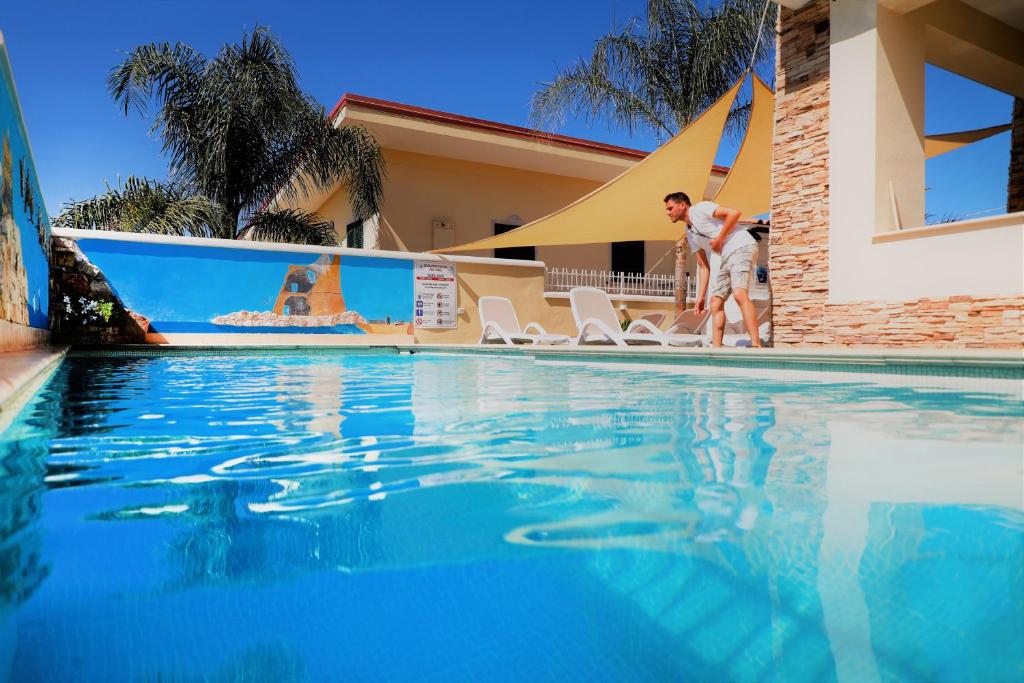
{"type": "Point", "coordinates": [231, 222]}
{"type": "Point", "coordinates": [1015, 185]}
{"type": "Point", "coordinates": [680, 275]}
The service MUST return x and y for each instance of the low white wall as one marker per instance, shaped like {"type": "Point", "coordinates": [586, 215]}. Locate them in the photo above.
{"type": "Point", "coordinates": [982, 258]}
{"type": "Point", "coordinates": [876, 122]}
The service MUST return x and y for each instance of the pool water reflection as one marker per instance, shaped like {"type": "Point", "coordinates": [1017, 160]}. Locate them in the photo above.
{"type": "Point", "coordinates": [371, 517]}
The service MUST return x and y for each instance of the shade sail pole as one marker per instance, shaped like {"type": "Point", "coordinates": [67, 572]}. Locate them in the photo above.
{"type": "Point", "coordinates": [757, 39]}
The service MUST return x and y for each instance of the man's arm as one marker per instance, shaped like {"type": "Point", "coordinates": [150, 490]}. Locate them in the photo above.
{"type": "Point", "coordinates": [704, 270]}
{"type": "Point", "coordinates": [730, 217]}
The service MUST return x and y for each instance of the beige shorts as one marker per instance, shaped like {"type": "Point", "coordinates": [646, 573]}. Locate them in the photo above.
{"type": "Point", "coordinates": [734, 273]}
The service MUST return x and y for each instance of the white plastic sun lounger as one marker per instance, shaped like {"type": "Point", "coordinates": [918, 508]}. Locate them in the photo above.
{"type": "Point", "coordinates": [501, 325]}
{"type": "Point", "coordinates": [741, 338]}
{"type": "Point", "coordinates": [736, 332]}
{"type": "Point", "coordinates": [688, 322]}
{"type": "Point", "coordinates": [596, 323]}
{"type": "Point", "coordinates": [654, 318]}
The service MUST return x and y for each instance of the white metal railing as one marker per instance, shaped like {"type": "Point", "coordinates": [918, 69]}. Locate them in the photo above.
{"type": "Point", "coordinates": [636, 284]}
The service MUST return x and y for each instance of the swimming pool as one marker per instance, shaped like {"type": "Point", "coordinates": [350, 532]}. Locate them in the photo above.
{"type": "Point", "coordinates": [344, 516]}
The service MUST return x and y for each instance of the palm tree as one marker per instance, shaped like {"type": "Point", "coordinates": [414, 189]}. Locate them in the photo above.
{"type": "Point", "coordinates": [662, 73]}
{"type": "Point", "coordinates": [144, 205]}
{"type": "Point", "coordinates": [240, 134]}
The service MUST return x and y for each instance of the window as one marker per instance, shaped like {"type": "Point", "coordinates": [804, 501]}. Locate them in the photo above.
{"type": "Point", "coordinates": [525, 253]}
{"type": "Point", "coordinates": [354, 235]}
{"type": "Point", "coordinates": [628, 257]}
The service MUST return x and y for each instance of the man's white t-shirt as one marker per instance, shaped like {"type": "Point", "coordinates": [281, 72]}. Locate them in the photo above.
{"type": "Point", "coordinates": [704, 227]}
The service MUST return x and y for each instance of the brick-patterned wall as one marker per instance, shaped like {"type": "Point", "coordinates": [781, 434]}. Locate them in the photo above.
{"type": "Point", "coordinates": [801, 312]}
{"type": "Point", "coordinates": [1015, 186]}
{"type": "Point", "coordinates": [953, 322]}
{"type": "Point", "coordinates": [799, 235]}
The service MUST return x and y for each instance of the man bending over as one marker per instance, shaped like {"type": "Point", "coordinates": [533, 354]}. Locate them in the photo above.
{"type": "Point", "coordinates": [710, 226]}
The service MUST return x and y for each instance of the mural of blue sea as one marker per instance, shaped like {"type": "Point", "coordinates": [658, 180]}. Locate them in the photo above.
{"type": "Point", "coordinates": [24, 224]}
{"type": "Point", "coordinates": [187, 288]}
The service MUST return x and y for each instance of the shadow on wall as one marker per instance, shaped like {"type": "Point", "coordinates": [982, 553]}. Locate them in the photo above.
{"type": "Point", "coordinates": [797, 67]}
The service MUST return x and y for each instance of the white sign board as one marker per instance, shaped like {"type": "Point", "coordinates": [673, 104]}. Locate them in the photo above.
{"type": "Point", "coordinates": [434, 295]}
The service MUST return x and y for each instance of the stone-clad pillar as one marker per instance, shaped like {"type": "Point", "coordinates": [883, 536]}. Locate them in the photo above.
{"type": "Point", "coordinates": [1015, 186]}
{"type": "Point", "coordinates": [800, 176]}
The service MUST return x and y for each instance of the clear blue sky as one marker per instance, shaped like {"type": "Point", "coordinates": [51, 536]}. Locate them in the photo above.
{"type": "Point", "coordinates": [481, 59]}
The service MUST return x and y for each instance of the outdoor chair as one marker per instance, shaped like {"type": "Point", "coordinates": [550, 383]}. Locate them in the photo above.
{"type": "Point", "coordinates": [736, 332]}
{"type": "Point", "coordinates": [688, 322]}
{"type": "Point", "coordinates": [653, 318]}
{"type": "Point", "coordinates": [500, 324]}
{"type": "Point", "coordinates": [597, 323]}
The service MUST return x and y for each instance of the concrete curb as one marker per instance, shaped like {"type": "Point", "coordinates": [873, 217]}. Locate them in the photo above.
{"type": "Point", "coordinates": [22, 373]}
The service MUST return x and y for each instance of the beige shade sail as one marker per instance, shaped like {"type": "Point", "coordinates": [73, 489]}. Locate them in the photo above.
{"type": "Point", "coordinates": [630, 207]}
{"type": "Point", "coordinates": [934, 145]}
{"type": "Point", "coordinates": [748, 187]}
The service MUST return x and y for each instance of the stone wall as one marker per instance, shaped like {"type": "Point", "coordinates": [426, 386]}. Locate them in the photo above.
{"type": "Point", "coordinates": [24, 228]}
{"type": "Point", "coordinates": [802, 314]}
{"type": "Point", "coordinates": [1015, 184]}
{"type": "Point", "coordinates": [953, 322]}
{"type": "Point", "coordinates": [83, 307]}
{"type": "Point", "coordinates": [799, 235]}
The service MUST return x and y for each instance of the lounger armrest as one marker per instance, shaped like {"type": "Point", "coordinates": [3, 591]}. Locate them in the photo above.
{"type": "Point", "coordinates": [495, 328]}
{"type": "Point", "coordinates": [534, 326]}
{"type": "Point", "coordinates": [601, 328]}
{"type": "Point", "coordinates": [643, 327]}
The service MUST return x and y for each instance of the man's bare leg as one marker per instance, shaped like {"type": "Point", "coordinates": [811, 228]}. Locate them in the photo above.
{"type": "Point", "coordinates": [717, 320]}
{"type": "Point", "coordinates": [749, 315]}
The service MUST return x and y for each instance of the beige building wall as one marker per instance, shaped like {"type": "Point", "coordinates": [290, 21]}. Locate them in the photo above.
{"type": "Point", "coordinates": [471, 196]}
{"type": "Point", "coordinates": [525, 286]}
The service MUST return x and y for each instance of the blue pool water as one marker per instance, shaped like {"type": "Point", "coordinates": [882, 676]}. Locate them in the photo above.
{"type": "Point", "coordinates": [445, 518]}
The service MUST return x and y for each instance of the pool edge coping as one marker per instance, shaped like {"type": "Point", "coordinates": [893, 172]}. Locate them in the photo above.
{"type": "Point", "coordinates": [22, 374]}
{"type": "Point", "coordinates": [937, 362]}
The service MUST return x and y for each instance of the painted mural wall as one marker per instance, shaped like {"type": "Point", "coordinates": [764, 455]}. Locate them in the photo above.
{"type": "Point", "coordinates": [187, 288]}
{"type": "Point", "coordinates": [24, 224]}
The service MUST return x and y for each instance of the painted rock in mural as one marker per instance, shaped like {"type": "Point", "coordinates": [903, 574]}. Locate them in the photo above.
{"type": "Point", "coordinates": [13, 279]}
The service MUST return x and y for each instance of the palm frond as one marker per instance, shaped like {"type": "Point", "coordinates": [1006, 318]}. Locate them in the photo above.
{"type": "Point", "coordinates": [237, 128]}
{"type": "Point", "coordinates": [171, 70]}
{"type": "Point", "coordinates": [661, 73]}
{"type": "Point", "coordinates": [613, 84]}
{"type": "Point", "coordinates": [144, 205]}
{"type": "Point", "coordinates": [327, 155]}
{"type": "Point", "coordinates": [291, 225]}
